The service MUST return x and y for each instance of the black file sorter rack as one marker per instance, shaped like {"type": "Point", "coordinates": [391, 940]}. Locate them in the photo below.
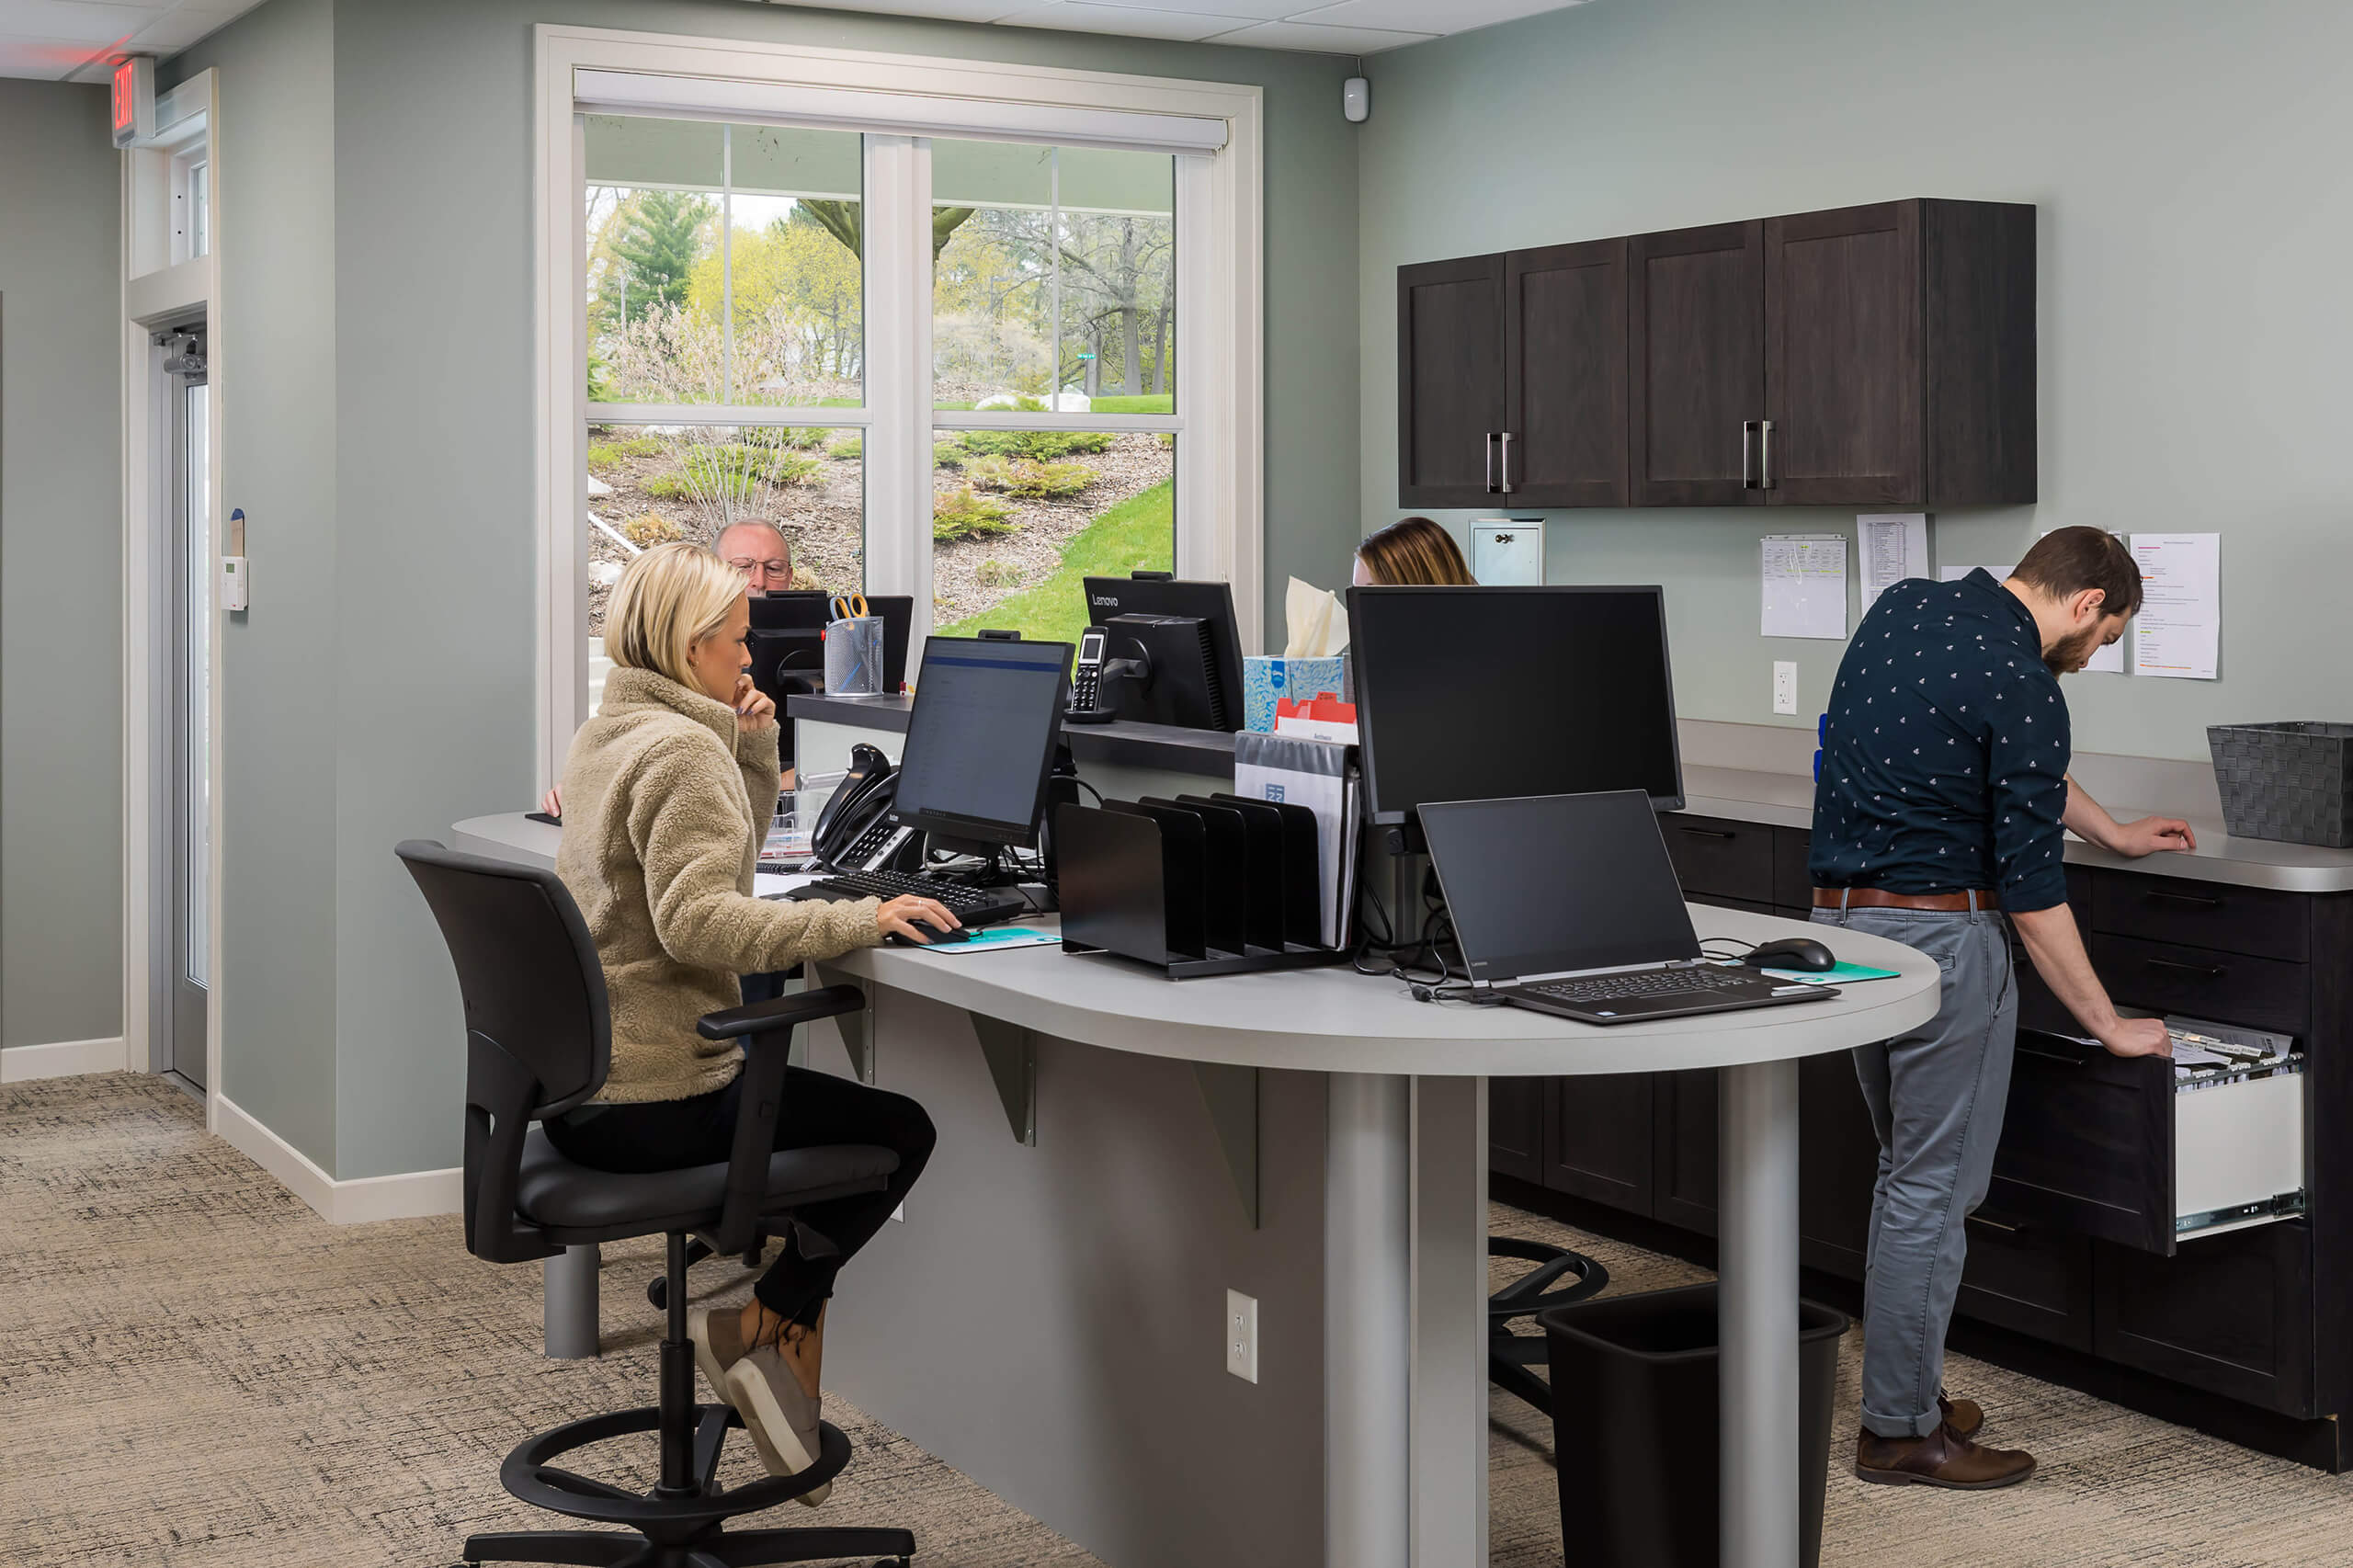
{"type": "Point", "coordinates": [1194, 885]}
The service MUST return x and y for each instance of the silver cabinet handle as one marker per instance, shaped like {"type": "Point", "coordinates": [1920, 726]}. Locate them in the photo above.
{"type": "Point", "coordinates": [1506, 464]}
{"type": "Point", "coordinates": [1747, 454]}
{"type": "Point", "coordinates": [1491, 462]}
{"type": "Point", "coordinates": [1766, 461]}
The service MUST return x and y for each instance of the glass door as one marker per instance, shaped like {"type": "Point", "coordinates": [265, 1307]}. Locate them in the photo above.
{"type": "Point", "coordinates": [188, 942]}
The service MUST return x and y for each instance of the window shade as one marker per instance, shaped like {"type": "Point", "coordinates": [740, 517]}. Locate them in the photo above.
{"type": "Point", "coordinates": [908, 114]}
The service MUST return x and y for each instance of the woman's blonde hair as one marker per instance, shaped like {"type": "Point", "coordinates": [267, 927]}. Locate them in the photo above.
{"type": "Point", "coordinates": [671, 597]}
{"type": "Point", "coordinates": [1412, 553]}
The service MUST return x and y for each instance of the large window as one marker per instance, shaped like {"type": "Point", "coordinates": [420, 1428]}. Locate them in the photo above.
{"type": "Point", "coordinates": [969, 332]}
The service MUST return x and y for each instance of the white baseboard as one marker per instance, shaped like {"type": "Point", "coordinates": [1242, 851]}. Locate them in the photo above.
{"type": "Point", "coordinates": [61, 1059]}
{"type": "Point", "coordinates": [408, 1196]}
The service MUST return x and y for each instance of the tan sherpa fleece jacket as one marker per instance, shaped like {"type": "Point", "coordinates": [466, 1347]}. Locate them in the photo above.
{"type": "Point", "coordinates": [664, 805]}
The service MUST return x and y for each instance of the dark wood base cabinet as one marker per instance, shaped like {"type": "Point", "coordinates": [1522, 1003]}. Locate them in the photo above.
{"type": "Point", "coordinates": [2247, 1332]}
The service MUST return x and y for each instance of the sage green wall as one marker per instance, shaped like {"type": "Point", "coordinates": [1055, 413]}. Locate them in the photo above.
{"type": "Point", "coordinates": [284, 724]}
{"type": "Point", "coordinates": [403, 643]}
{"type": "Point", "coordinates": [2188, 160]}
{"type": "Point", "coordinates": [61, 567]}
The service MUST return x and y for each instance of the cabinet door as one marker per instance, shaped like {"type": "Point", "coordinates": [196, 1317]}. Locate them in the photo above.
{"type": "Point", "coordinates": [1515, 1126]}
{"type": "Point", "coordinates": [1837, 1164]}
{"type": "Point", "coordinates": [1450, 381]}
{"type": "Point", "coordinates": [2232, 1313]}
{"type": "Point", "coordinates": [1564, 376]}
{"type": "Point", "coordinates": [1695, 365]}
{"type": "Point", "coordinates": [1845, 382]}
{"type": "Point", "coordinates": [1597, 1138]}
{"type": "Point", "coordinates": [1683, 1121]}
{"type": "Point", "coordinates": [2030, 1281]}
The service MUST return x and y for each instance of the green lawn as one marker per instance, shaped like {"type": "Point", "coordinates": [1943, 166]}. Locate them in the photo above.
{"type": "Point", "coordinates": [1138, 533]}
{"type": "Point", "coordinates": [1165, 402]}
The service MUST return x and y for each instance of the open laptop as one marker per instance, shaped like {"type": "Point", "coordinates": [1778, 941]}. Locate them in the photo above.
{"type": "Point", "coordinates": [1568, 905]}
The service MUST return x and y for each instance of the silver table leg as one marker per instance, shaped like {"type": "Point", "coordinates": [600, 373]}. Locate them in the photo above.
{"type": "Point", "coordinates": [1367, 1330]}
{"type": "Point", "coordinates": [1450, 1391]}
{"type": "Point", "coordinates": [1757, 1291]}
{"type": "Point", "coordinates": [568, 1298]}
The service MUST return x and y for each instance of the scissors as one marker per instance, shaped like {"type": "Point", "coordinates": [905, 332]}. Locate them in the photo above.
{"type": "Point", "coordinates": [850, 607]}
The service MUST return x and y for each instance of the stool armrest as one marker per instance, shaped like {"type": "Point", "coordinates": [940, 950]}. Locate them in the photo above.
{"type": "Point", "coordinates": [765, 1030]}
{"type": "Point", "coordinates": [781, 1015]}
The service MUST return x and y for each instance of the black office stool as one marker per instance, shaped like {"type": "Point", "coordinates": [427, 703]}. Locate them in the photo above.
{"type": "Point", "coordinates": [1510, 1355]}
{"type": "Point", "coordinates": [539, 1041]}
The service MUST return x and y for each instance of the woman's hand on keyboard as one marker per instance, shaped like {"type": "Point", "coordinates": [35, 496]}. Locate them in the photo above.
{"type": "Point", "coordinates": [899, 916]}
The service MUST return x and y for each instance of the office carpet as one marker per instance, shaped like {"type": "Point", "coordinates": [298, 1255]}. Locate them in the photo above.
{"type": "Point", "coordinates": [195, 1371]}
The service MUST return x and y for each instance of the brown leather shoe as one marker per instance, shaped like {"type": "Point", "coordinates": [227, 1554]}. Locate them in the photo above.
{"type": "Point", "coordinates": [1941, 1458]}
{"type": "Point", "coordinates": [1963, 1417]}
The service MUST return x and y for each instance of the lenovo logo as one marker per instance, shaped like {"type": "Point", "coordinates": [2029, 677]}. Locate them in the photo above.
{"type": "Point", "coordinates": [1105, 601]}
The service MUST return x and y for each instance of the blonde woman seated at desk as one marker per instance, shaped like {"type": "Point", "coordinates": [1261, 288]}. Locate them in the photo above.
{"type": "Point", "coordinates": [668, 790]}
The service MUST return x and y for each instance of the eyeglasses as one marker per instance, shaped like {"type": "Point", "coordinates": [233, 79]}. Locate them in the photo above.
{"type": "Point", "coordinates": [773, 568]}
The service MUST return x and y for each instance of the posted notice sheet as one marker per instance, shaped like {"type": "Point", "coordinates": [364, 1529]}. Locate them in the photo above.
{"type": "Point", "coordinates": [1895, 546]}
{"type": "Point", "coordinates": [2178, 632]}
{"type": "Point", "coordinates": [1805, 585]}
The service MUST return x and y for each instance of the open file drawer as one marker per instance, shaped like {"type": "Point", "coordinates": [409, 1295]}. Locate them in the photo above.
{"type": "Point", "coordinates": [2141, 1154]}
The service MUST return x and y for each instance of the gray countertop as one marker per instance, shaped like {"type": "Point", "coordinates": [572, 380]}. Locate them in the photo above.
{"type": "Point", "coordinates": [1784, 799]}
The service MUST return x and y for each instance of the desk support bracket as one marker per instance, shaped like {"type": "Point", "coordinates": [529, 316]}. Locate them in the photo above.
{"type": "Point", "coordinates": [1231, 1096]}
{"type": "Point", "coordinates": [1012, 1054]}
{"type": "Point", "coordinates": [856, 1028]}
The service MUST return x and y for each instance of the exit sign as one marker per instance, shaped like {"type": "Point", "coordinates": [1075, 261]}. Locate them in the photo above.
{"type": "Point", "coordinates": [134, 100]}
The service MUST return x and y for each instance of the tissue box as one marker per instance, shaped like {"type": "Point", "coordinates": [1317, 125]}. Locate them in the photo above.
{"type": "Point", "coordinates": [1267, 681]}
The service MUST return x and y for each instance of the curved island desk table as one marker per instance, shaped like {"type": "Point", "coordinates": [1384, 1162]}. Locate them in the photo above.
{"type": "Point", "coordinates": [1404, 1418]}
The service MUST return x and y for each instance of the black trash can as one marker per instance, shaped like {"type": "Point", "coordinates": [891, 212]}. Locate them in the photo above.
{"type": "Point", "coordinates": [1634, 1425]}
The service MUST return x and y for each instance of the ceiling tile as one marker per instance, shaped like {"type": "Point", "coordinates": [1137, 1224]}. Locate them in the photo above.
{"type": "Point", "coordinates": [42, 59]}
{"type": "Point", "coordinates": [1124, 21]}
{"type": "Point", "coordinates": [1325, 40]}
{"type": "Point", "coordinates": [1424, 15]}
{"type": "Point", "coordinates": [944, 10]}
{"type": "Point", "coordinates": [72, 21]}
{"type": "Point", "coordinates": [1242, 10]}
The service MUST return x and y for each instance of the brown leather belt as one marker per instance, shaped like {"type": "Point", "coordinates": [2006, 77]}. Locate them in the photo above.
{"type": "Point", "coordinates": [1880, 898]}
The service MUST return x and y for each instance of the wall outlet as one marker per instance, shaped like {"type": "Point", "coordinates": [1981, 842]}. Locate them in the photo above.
{"type": "Point", "coordinates": [1785, 686]}
{"type": "Point", "coordinates": [1241, 1335]}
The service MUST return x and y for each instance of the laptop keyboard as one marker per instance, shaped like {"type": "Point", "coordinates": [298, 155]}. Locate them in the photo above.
{"type": "Point", "coordinates": [1647, 983]}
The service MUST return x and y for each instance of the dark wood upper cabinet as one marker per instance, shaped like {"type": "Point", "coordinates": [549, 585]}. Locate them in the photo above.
{"type": "Point", "coordinates": [1564, 376]}
{"type": "Point", "coordinates": [1899, 355]}
{"type": "Point", "coordinates": [1695, 366]}
{"type": "Point", "coordinates": [1450, 381]}
{"type": "Point", "coordinates": [1880, 356]}
{"type": "Point", "coordinates": [1843, 387]}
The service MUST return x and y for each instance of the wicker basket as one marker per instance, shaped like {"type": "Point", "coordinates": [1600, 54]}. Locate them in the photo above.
{"type": "Point", "coordinates": [2292, 781]}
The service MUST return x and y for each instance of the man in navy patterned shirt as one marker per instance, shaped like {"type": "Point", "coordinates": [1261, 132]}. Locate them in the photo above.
{"type": "Point", "coordinates": [1939, 811]}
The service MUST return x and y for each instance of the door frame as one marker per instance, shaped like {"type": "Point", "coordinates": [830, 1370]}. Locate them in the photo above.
{"type": "Point", "coordinates": [163, 286]}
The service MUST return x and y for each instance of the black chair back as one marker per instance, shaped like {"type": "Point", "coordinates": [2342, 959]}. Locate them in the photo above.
{"type": "Point", "coordinates": [538, 1029]}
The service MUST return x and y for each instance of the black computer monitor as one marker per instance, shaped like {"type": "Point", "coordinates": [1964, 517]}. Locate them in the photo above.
{"type": "Point", "coordinates": [786, 663]}
{"type": "Point", "coordinates": [791, 609]}
{"type": "Point", "coordinates": [1480, 694]}
{"type": "Point", "coordinates": [981, 740]}
{"type": "Point", "coordinates": [1167, 699]}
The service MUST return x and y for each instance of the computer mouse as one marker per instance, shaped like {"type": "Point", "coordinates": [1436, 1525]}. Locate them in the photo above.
{"type": "Point", "coordinates": [1791, 952]}
{"type": "Point", "coordinates": [937, 939]}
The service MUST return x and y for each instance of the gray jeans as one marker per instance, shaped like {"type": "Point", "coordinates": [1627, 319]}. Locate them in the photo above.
{"type": "Point", "coordinates": [1935, 1097]}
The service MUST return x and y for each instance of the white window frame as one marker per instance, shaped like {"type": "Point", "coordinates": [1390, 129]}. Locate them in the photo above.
{"type": "Point", "coordinates": [1219, 390]}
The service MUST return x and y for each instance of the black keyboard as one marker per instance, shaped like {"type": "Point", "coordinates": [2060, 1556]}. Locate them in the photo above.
{"type": "Point", "coordinates": [973, 906]}
{"type": "Point", "coordinates": [1645, 982]}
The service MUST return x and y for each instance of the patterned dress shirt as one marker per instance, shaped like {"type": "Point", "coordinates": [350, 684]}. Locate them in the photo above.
{"type": "Point", "coordinates": [1944, 756]}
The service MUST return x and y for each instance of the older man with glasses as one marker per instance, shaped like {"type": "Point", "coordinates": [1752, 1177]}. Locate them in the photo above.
{"type": "Point", "coordinates": [761, 553]}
